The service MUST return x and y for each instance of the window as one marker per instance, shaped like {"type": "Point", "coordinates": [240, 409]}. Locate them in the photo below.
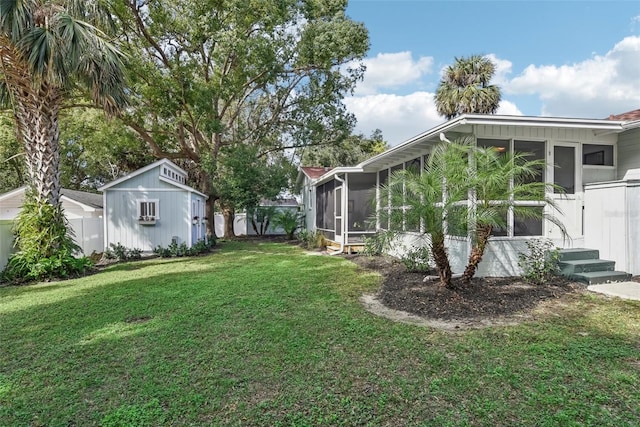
{"type": "Point", "coordinates": [517, 221]}
{"type": "Point", "coordinates": [597, 155]}
{"type": "Point", "coordinates": [148, 210]}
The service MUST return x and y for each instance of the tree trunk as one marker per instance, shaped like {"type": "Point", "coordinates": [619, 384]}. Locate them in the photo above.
{"type": "Point", "coordinates": [37, 116]}
{"type": "Point", "coordinates": [441, 258]}
{"type": "Point", "coordinates": [229, 218]}
{"type": "Point", "coordinates": [477, 251]}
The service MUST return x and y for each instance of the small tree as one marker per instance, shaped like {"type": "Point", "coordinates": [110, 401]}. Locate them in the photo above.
{"type": "Point", "coordinates": [261, 218]}
{"type": "Point", "coordinates": [498, 181]}
{"type": "Point", "coordinates": [289, 220]}
{"type": "Point", "coordinates": [428, 200]}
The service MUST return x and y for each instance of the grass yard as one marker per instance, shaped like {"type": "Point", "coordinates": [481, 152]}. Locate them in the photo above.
{"type": "Point", "coordinates": [262, 334]}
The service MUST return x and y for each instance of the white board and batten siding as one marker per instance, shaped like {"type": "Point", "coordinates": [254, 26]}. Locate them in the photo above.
{"type": "Point", "coordinates": [177, 205]}
{"type": "Point", "coordinates": [628, 152]}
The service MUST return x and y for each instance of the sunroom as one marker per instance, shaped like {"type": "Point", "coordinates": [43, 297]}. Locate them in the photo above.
{"type": "Point", "coordinates": [577, 152]}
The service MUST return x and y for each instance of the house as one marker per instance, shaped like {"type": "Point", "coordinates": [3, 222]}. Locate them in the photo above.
{"type": "Point", "coordinates": [83, 210]}
{"type": "Point", "coordinates": [153, 206]}
{"type": "Point", "coordinates": [591, 158]}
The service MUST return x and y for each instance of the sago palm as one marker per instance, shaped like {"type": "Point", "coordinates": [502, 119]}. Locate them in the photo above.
{"type": "Point", "coordinates": [465, 88]}
{"type": "Point", "coordinates": [49, 49]}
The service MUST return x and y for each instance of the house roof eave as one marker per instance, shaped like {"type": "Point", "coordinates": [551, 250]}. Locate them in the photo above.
{"type": "Point", "coordinates": [336, 171]}
{"type": "Point", "coordinates": [598, 126]}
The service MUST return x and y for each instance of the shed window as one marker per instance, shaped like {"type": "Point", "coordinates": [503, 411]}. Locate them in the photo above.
{"type": "Point", "coordinates": [148, 209]}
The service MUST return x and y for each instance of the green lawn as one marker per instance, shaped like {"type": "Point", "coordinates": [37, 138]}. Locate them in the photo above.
{"type": "Point", "coordinates": [263, 334]}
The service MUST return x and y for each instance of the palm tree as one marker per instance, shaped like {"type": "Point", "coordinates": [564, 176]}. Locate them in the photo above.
{"type": "Point", "coordinates": [498, 180]}
{"type": "Point", "coordinates": [429, 200]}
{"type": "Point", "coordinates": [465, 88]}
{"type": "Point", "coordinates": [49, 49]}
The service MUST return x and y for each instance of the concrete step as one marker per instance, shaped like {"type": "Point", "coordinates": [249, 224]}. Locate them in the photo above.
{"type": "Point", "coordinates": [585, 266]}
{"type": "Point", "coordinates": [598, 277]}
{"type": "Point", "coordinates": [577, 253]}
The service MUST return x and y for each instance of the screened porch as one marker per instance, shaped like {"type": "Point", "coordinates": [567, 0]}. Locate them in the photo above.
{"type": "Point", "coordinates": [345, 206]}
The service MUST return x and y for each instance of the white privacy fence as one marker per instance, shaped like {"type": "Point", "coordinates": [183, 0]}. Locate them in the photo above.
{"type": "Point", "coordinates": [242, 226]}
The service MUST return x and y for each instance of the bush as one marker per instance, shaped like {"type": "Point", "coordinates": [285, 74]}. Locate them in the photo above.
{"type": "Point", "coordinates": [376, 244]}
{"type": "Point", "coordinates": [288, 220]}
{"type": "Point", "coordinates": [122, 253]}
{"type": "Point", "coordinates": [541, 261]}
{"type": "Point", "coordinates": [45, 245]}
{"type": "Point", "coordinates": [180, 250]}
{"type": "Point", "coordinates": [312, 239]}
{"type": "Point", "coordinates": [417, 260]}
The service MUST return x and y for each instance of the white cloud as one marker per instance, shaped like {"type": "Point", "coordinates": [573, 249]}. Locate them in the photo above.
{"type": "Point", "coordinates": [508, 108]}
{"type": "Point", "coordinates": [399, 117]}
{"type": "Point", "coordinates": [503, 69]}
{"type": "Point", "coordinates": [392, 70]}
{"type": "Point", "coordinates": [595, 87]}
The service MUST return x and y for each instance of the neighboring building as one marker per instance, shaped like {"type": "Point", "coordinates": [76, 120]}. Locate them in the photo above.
{"type": "Point", "coordinates": [586, 153]}
{"type": "Point", "coordinates": [153, 206]}
{"type": "Point", "coordinates": [83, 211]}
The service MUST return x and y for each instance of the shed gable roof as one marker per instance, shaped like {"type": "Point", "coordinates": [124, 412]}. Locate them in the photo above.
{"type": "Point", "coordinates": [149, 167]}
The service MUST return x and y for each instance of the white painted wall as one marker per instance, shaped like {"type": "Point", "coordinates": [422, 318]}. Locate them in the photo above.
{"type": "Point", "coordinates": [6, 242]}
{"type": "Point", "coordinates": [88, 234]}
{"type": "Point", "coordinates": [500, 258]}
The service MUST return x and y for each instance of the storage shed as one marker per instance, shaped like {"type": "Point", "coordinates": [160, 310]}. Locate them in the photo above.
{"type": "Point", "coordinates": [152, 207]}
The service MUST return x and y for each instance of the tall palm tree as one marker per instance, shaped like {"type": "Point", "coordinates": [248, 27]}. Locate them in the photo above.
{"type": "Point", "coordinates": [49, 49]}
{"type": "Point", "coordinates": [465, 88]}
{"type": "Point", "coordinates": [498, 180]}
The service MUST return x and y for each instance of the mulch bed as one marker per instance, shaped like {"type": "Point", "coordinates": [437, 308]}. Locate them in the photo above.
{"type": "Point", "coordinates": [489, 297]}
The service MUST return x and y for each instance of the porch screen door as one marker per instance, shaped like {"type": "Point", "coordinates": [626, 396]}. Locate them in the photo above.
{"type": "Point", "coordinates": [566, 174]}
{"type": "Point", "coordinates": [338, 213]}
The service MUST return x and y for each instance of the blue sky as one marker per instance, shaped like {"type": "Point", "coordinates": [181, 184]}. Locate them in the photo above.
{"type": "Point", "coordinates": [554, 58]}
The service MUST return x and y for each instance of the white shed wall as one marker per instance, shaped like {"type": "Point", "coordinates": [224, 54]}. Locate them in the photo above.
{"type": "Point", "coordinates": [121, 216]}
{"type": "Point", "coordinates": [612, 222]}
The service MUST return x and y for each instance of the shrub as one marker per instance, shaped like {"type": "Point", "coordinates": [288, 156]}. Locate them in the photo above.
{"type": "Point", "coordinates": [541, 261]}
{"type": "Point", "coordinates": [312, 239]}
{"type": "Point", "coordinates": [417, 260]}
{"type": "Point", "coordinates": [376, 244]}
{"type": "Point", "coordinates": [122, 253]}
{"type": "Point", "coordinates": [180, 250]}
{"type": "Point", "coordinates": [288, 220]}
{"type": "Point", "coordinates": [45, 245]}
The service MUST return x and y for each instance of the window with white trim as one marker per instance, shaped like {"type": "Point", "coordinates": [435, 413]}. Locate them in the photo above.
{"type": "Point", "coordinates": [518, 223]}
{"type": "Point", "coordinates": [148, 209]}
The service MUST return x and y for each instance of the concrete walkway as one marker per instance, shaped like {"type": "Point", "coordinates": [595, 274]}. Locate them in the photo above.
{"type": "Point", "coordinates": [625, 290]}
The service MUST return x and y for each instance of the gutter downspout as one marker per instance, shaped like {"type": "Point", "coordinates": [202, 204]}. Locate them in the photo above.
{"type": "Point", "coordinates": [341, 181]}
